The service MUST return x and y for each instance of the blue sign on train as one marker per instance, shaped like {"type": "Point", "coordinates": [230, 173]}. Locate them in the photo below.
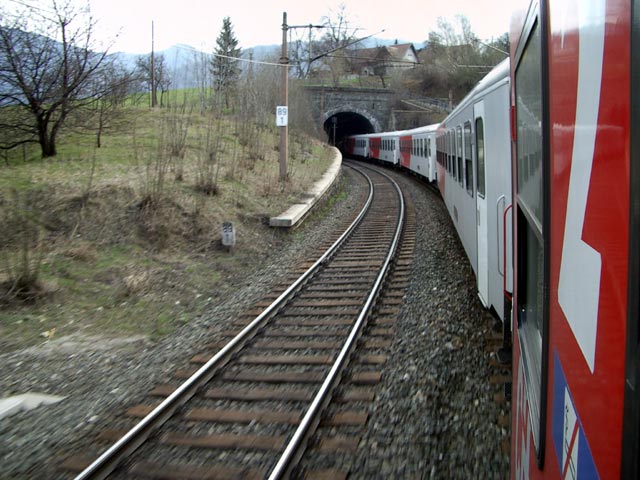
{"type": "Point", "coordinates": [572, 449]}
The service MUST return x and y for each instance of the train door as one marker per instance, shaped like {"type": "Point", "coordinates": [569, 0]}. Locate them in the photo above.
{"type": "Point", "coordinates": [631, 430]}
{"type": "Point", "coordinates": [481, 205]}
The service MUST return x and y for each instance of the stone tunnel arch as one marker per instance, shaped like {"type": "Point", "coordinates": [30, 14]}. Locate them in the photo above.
{"type": "Point", "coordinates": [348, 121]}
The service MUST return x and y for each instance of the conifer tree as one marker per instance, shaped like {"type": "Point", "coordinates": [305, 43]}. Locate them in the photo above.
{"type": "Point", "coordinates": [224, 69]}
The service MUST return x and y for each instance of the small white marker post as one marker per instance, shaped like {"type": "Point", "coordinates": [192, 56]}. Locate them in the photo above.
{"type": "Point", "coordinates": [228, 235]}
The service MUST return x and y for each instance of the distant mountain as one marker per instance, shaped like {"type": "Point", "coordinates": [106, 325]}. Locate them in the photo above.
{"type": "Point", "coordinates": [183, 61]}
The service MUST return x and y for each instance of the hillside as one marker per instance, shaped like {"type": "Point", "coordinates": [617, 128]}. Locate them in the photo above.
{"type": "Point", "coordinates": [126, 238]}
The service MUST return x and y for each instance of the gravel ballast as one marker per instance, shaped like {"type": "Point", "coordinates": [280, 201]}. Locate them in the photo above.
{"type": "Point", "coordinates": [434, 415]}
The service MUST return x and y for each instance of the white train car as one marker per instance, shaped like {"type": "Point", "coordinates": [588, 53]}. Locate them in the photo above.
{"type": "Point", "coordinates": [474, 178]}
{"type": "Point", "coordinates": [418, 151]}
{"type": "Point", "coordinates": [357, 145]}
{"type": "Point", "coordinates": [385, 147]}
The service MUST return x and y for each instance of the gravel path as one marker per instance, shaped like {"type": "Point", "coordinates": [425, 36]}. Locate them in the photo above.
{"type": "Point", "coordinates": [434, 415]}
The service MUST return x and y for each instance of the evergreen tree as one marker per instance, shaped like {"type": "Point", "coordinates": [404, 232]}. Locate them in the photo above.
{"type": "Point", "coordinates": [224, 69]}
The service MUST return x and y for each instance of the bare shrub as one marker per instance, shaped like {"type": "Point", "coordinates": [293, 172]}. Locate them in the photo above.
{"type": "Point", "coordinates": [208, 162]}
{"type": "Point", "coordinates": [156, 164]}
{"type": "Point", "coordinates": [83, 251]}
{"type": "Point", "coordinates": [176, 125]}
{"type": "Point", "coordinates": [21, 222]}
{"type": "Point", "coordinates": [133, 284]}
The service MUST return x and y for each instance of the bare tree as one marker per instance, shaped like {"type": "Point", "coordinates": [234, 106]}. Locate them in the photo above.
{"type": "Point", "coordinates": [161, 77]}
{"type": "Point", "coordinates": [339, 35]}
{"type": "Point", "coordinates": [455, 60]}
{"type": "Point", "coordinates": [200, 67]}
{"type": "Point", "coordinates": [47, 62]}
{"type": "Point", "coordinates": [114, 81]}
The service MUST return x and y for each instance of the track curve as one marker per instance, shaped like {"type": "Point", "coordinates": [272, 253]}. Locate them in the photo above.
{"type": "Point", "coordinates": [319, 318]}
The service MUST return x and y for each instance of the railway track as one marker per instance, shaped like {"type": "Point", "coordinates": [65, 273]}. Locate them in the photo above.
{"type": "Point", "coordinates": [296, 374]}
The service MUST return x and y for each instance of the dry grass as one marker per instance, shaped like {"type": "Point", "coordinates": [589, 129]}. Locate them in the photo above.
{"type": "Point", "coordinates": [116, 259]}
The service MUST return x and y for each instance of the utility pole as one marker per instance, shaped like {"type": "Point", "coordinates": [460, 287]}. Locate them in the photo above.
{"type": "Point", "coordinates": [309, 53]}
{"type": "Point", "coordinates": [284, 130]}
{"type": "Point", "coordinates": [284, 126]}
{"type": "Point", "coordinates": [154, 98]}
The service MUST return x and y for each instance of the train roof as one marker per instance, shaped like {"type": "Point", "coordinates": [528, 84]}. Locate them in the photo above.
{"type": "Point", "coordinates": [379, 134]}
{"type": "Point", "coordinates": [400, 133]}
{"type": "Point", "coordinates": [424, 129]}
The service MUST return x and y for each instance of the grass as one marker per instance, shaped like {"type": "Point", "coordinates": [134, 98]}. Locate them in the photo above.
{"type": "Point", "coordinates": [115, 265]}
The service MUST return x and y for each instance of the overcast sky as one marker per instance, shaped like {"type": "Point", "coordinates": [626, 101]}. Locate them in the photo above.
{"type": "Point", "coordinates": [259, 22]}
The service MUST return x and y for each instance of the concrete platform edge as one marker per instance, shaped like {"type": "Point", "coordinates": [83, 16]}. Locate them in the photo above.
{"type": "Point", "coordinates": [298, 211]}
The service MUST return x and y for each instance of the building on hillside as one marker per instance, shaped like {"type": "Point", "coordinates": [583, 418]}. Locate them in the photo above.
{"type": "Point", "coordinates": [380, 60]}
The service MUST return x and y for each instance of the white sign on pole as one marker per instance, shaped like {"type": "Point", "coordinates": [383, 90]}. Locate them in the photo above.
{"type": "Point", "coordinates": [282, 116]}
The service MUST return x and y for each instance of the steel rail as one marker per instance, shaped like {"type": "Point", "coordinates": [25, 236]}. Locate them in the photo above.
{"type": "Point", "coordinates": [130, 441]}
{"type": "Point", "coordinates": [294, 448]}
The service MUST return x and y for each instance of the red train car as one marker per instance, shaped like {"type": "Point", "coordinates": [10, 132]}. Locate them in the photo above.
{"type": "Point", "coordinates": [575, 114]}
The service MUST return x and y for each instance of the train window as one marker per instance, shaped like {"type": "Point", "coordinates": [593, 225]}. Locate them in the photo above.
{"type": "Point", "coordinates": [452, 152]}
{"type": "Point", "coordinates": [446, 152]}
{"type": "Point", "coordinates": [468, 159]}
{"type": "Point", "coordinates": [480, 157]}
{"type": "Point", "coordinates": [452, 165]}
{"type": "Point", "coordinates": [446, 149]}
{"type": "Point", "coordinates": [428, 148]}
{"type": "Point", "coordinates": [459, 154]}
{"type": "Point", "coordinates": [530, 235]}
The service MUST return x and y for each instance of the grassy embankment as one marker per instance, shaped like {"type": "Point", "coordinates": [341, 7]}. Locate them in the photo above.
{"type": "Point", "coordinates": [128, 235]}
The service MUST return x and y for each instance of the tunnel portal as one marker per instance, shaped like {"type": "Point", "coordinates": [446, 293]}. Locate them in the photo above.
{"type": "Point", "coordinates": [342, 124]}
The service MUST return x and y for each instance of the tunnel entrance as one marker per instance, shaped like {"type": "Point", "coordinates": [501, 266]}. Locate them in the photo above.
{"type": "Point", "coordinates": [343, 124]}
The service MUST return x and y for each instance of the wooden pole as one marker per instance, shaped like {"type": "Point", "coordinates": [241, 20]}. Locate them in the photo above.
{"type": "Point", "coordinates": [284, 131]}
{"type": "Point", "coordinates": [154, 97]}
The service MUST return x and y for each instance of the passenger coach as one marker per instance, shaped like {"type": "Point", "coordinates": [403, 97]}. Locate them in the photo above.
{"type": "Point", "coordinates": [575, 99]}
{"type": "Point", "coordinates": [540, 173]}
{"type": "Point", "coordinates": [474, 178]}
{"type": "Point", "coordinates": [418, 151]}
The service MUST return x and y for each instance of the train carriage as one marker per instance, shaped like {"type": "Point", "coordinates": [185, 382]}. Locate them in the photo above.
{"type": "Point", "coordinates": [576, 178]}
{"type": "Point", "coordinates": [422, 151]}
{"type": "Point", "coordinates": [540, 173]}
{"type": "Point", "coordinates": [385, 147]}
{"type": "Point", "coordinates": [357, 145]}
{"type": "Point", "coordinates": [474, 178]}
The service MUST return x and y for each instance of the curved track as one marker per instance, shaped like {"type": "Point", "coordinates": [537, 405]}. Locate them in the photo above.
{"type": "Point", "coordinates": [251, 407]}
